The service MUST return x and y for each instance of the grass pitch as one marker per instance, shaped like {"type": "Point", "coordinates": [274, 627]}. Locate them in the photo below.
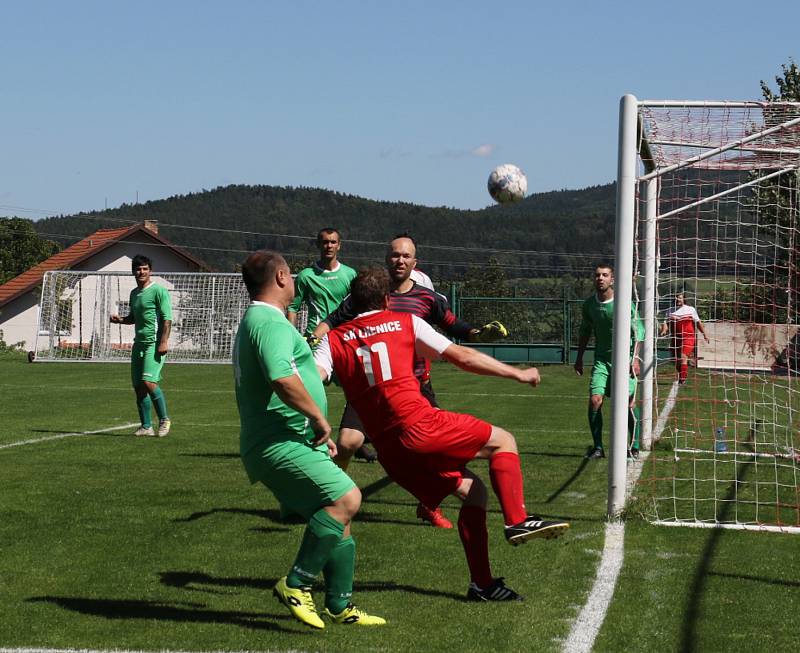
{"type": "Point", "coordinates": [116, 542]}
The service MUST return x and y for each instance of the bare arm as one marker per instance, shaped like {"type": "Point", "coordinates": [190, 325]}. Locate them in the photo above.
{"type": "Point", "coordinates": [292, 317]}
{"type": "Point", "coordinates": [471, 360]}
{"type": "Point", "coordinates": [582, 342]}
{"type": "Point", "coordinates": [294, 394]}
{"type": "Point", "coordinates": [703, 331]}
{"type": "Point", "coordinates": [163, 345]}
{"type": "Point", "coordinates": [635, 367]}
{"type": "Point", "coordinates": [322, 328]}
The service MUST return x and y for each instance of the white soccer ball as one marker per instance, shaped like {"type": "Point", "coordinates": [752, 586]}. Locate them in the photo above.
{"type": "Point", "coordinates": [507, 184]}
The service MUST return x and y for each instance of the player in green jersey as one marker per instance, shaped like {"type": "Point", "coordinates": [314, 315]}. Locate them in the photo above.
{"type": "Point", "coordinates": [323, 285]}
{"type": "Point", "coordinates": [598, 320]}
{"type": "Point", "coordinates": [151, 313]}
{"type": "Point", "coordinates": [285, 444]}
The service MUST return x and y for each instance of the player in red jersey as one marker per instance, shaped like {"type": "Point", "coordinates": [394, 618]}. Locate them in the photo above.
{"type": "Point", "coordinates": [422, 448]}
{"type": "Point", "coordinates": [406, 296]}
{"type": "Point", "coordinates": [681, 322]}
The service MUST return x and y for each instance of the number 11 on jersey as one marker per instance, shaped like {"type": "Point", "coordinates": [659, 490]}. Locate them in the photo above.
{"type": "Point", "coordinates": [365, 357]}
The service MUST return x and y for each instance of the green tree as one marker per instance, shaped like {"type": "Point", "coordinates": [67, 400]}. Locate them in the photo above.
{"type": "Point", "coordinates": [788, 85]}
{"type": "Point", "coordinates": [21, 247]}
{"type": "Point", "coordinates": [487, 280]}
{"type": "Point", "coordinates": [776, 201]}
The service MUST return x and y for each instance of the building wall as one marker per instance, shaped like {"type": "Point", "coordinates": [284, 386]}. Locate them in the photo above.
{"type": "Point", "coordinates": [18, 319]}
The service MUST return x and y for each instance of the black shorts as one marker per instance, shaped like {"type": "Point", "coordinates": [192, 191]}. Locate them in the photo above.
{"type": "Point", "coordinates": [351, 420]}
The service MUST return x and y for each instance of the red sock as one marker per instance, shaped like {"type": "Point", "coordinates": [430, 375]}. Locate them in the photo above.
{"type": "Point", "coordinates": [506, 476]}
{"type": "Point", "coordinates": [684, 371]}
{"type": "Point", "coordinates": [475, 540]}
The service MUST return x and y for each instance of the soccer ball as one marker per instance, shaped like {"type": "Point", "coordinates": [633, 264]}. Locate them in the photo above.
{"type": "Point", "coordinates": [507, 184]}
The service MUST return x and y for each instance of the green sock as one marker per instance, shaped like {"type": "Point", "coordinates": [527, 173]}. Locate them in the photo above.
{"type": "Point", "coordinates": [322, 534]}
{"type": "Point", "coordinates": [160, 403]}
{"type": "Point", "coordinates": [338, 573]}
{"type": "Point", "coordinates": [596, 427]}
{"type": "Point", "coordinates": [634, 425]}
{"type": "Point", "coordinates": [145, 406]}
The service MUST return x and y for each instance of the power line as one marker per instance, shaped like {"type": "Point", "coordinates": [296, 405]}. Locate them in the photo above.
{"type": "Point", "coordinates": [304, 255]}
{"type": "Point", "coordinates": [241, 232]}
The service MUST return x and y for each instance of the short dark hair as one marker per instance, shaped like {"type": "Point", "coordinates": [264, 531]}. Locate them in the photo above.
{"type": "Point", "coordinates": [606, 265]}
{"type": "Point", "coordinates": [259, 270]}
{"type": "Point", "coordinates": [329, 230]}
{"type": "Point", "coordinates": [139, 260]}
{"type": "Point", "coordinates": [405, 234]}
{"type": "Point", "coordinates": [369, 288]}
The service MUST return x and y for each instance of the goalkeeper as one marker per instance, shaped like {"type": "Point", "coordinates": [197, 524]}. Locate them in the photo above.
{"type": "Point", "coordinates": [406, 296]}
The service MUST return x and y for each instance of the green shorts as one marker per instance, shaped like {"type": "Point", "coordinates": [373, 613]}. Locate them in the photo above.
{"type": "Point", "coordinates": [146, 364]}
{"type": "Point", "coordinates": [600, 383]}
{"type": "Point", "coordinates": [302, 478]}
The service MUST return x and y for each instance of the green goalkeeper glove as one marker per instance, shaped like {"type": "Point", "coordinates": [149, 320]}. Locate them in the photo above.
{"type": "Point", "coordinates": [491, 332]}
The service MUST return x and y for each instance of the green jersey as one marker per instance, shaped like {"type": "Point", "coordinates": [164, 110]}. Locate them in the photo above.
{"type": "Point", "coordinates": [150, 306]}
{"type": "Point", "coordinates": [598, 319]}
{"type": "Point", "coordinates": [268, 348]}
{"type": "Point", "coordinates": [322, 291]}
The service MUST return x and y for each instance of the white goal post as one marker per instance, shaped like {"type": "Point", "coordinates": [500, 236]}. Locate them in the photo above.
{"type": "Point", "coordinates": [73, 323]}
{"type": "Point", "coordinates": [708, 205]}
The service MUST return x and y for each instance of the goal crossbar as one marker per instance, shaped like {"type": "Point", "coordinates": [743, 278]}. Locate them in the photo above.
{"type": "Point", "coordinates": [661, 171]}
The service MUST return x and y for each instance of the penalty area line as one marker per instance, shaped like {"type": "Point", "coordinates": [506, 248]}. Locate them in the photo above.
{"type": "Point", "coordinates": [61, 436]}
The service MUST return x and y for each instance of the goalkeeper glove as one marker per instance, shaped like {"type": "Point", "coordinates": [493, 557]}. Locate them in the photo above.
{"type": "Point", "coordinates": [491, 332]}
{"type": "Point", "coordinates": [313, 341]}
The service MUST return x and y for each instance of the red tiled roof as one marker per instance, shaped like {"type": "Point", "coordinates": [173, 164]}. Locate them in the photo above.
{"type": "Point", "coordinates": [80, 251]}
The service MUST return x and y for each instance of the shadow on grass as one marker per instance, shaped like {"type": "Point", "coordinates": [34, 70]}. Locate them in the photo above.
{"type": "Point", "coordinates": [211, 455]}
{"type": "Point", "coordinates": [696, 594]}
{"type": "Point", "coordinates": [569, 481]}
{"type": "Point", "coordinates": [551, 454]}
{"type": "Point", "coordinates": [269, 515]}
{"type": "Point", "coordinates": [156, 610]}
{"type": "Point", "coordinates": [375, 487]}
{"type": "Point", "coordinates": [188, 580]}
{"type": "Point", "coordinates": [757, 579]}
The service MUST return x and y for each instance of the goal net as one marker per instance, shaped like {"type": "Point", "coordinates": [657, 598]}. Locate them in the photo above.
{"type": "Point", "coordinates": [716, 216]}
{"type": "Point", "coordinates": [75, 307]}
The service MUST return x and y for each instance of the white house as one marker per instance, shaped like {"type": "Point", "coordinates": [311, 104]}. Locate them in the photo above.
{"type": "Point", "coordinates": [106, 250]}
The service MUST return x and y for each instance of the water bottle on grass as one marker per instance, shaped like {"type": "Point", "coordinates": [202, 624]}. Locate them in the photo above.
{"type": "Point", "coordinates": [719, 440]}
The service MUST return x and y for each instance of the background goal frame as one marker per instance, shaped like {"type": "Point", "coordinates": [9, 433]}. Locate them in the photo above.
{"type": "Point", "coordinates": [723, 155]}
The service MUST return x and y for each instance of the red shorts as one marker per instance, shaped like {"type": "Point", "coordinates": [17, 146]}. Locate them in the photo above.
{"type": "Point", "coordinates": [684, 345]}
{"type": "Point", "coordinates": [428, 458]}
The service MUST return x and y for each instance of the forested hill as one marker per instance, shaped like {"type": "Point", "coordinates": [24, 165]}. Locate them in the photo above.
{"type": "Point", "coordinates": [538, 237]}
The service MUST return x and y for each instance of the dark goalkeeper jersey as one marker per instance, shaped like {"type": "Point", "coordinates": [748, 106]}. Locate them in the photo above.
{"type": "Point", "coordinates": [422, 302]}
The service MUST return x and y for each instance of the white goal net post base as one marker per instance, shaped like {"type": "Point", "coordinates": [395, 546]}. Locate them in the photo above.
{"type": "Point", "coordinates": [708, 204]}
{"type": "Point", "coordinates": [73, 323]}
{"type": "Point", "coordinates": [757, 528]}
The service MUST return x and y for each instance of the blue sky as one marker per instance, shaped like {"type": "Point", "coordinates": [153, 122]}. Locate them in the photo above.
{"type": "Point", "coordinates": [400, 101]}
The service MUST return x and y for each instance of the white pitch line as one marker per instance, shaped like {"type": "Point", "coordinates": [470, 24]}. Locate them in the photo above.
{"type": "Point", "coordinates": [587, 625]}
{"type": "Point", "coordinates": [61, 436]}
{"type": "Point", "coordinates": [591, 617]}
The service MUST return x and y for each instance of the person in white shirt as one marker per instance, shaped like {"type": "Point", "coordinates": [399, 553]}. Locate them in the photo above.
{"type": "Point", "coordinates": [681, 323]}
